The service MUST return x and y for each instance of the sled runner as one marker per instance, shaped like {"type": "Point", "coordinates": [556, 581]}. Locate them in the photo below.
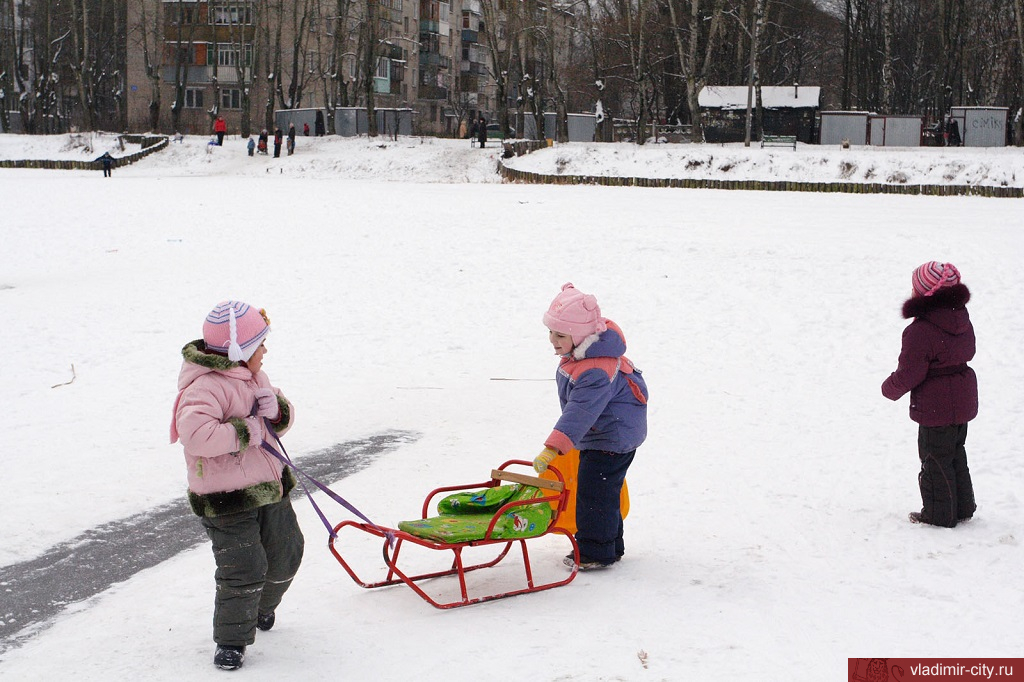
{"type": "Point", "coordinates": [481, 518]}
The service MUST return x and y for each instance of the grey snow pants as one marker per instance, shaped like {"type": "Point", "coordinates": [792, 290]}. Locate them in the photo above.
{"type": "Point", "coordinates": [258, 553]}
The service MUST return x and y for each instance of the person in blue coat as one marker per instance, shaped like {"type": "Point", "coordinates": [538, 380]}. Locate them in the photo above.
{"type": "Point", "coordinates": [604, 416]}
{"type": "Point", "coordinates": [108, 163]}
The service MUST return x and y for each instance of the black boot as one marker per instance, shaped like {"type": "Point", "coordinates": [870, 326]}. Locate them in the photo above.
{"type": "Point", "coordinates": [229, 657]}
{"type": "Point", "coordinates": [265, 621]}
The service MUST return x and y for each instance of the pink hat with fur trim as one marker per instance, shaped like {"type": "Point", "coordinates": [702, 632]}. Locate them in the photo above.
{"type": "Point", "coordinates": [932, 276]}
{"type": "Point", "coordinates": [235, 328]}
{"type": "Point", "coordinates": [574, 313]}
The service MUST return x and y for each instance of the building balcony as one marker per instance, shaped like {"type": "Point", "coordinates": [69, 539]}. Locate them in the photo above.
{"type": "Point", "coordinates": [433, 92]}
{"type": "Point", "coordinates": [202, 75]}
{"type": "Point", "coordinates": [435, 59]}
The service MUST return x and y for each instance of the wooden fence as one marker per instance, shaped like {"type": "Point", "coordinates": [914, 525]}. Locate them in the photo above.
{"type": "Point", "coordinates": [150, 144]}
{"type": "Point", "coordinates": [513, 175]}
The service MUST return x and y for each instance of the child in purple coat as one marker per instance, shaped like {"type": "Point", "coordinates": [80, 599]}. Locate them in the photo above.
{"type": "Point", "coordinates": [937, 346]}
{"type": "Point", "coordinates": [604, 416]}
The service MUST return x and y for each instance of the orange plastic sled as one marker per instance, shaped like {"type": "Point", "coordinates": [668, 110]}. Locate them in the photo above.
{"type": "Point", "coordinates": [569, 466]}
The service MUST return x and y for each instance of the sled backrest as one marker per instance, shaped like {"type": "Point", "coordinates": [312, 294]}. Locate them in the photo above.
{"type": "Point", "coordinates": [535, 481]}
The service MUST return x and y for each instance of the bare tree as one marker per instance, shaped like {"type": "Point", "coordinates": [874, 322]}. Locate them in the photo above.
{"type": "Point", "coordinates": [341, 33]}
{"type": "Point", "coordinates": [184, 21]}
{"type": "Point", "coordinates": [1018, 13]}
{"type": "Point", "coordinates": [368, 44]}
{"type": "Point", "coordinates": [700, 26]}
{"type": "Point", "coordinates": [148, 36]}
{"type": "Point", "coordinates": [9, 59]}
{"type": "Point", "coordinates": [300, 17]}
{"type": "Point", "coordinates": [501, 42]}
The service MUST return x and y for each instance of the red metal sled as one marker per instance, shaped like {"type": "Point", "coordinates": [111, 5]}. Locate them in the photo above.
{"type": "Point", "coordinates": [555, 493]}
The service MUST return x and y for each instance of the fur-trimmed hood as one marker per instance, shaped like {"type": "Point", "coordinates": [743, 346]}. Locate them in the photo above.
{"type": "Point", "coordinates": [199, 361]}
{"type": "Point", "coordinates": [228, 469]}
{"type": "Point", "coordinates": [946, 308]}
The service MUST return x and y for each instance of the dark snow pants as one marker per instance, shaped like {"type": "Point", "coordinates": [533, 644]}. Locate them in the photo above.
{"type": "Point", "coordinates": [598, 511]}
{"type": "Point", "coordinates": [947, 493]}
{"type": "Point", "coordinates": [258, 553]}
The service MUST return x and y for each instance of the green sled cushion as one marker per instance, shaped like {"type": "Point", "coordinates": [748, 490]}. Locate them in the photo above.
{"type": "Point", "coordinates": [519, 522]}
{"type": "Point", "coordinates": [488, 500]}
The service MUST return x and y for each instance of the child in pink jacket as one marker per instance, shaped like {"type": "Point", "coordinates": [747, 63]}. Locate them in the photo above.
{"type": "Point", "coordinates": [240, 491]}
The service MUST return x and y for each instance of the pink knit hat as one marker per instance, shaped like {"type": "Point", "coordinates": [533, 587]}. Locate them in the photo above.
{"type": "Point", "coordinates": [574, 313]}
{"type": "Point", "coordinates": [235, 328]}
{"type": "Point", "coordinates": [932, 276]}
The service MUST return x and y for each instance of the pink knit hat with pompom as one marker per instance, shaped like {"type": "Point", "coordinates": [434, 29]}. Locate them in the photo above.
{"type": "Point", "coordinates": [235, 328]}
{"type": "Point", "coordinates": [932, 276]}
{"type": "Point", "coordinates": [574, 313]}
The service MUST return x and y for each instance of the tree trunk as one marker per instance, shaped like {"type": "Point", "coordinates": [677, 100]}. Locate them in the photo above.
{"type": "Point", "coordinates": [887, 56]}
{"type": "Point", "coordinates": [755, 33]}
{"type": "Point", "coordinates": [370, 65]}
{"type": "Point", "coordinates": [1018, 128]}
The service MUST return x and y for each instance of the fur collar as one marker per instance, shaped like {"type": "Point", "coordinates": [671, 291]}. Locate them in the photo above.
{"type": "Point", "coordinates": [946, 298]}
{"type": "Point", "coordinates": [196, 353]}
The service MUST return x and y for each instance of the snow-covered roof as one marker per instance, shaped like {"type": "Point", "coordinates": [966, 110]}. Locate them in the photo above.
{"type": "Point", "coordinates": [772, 96]}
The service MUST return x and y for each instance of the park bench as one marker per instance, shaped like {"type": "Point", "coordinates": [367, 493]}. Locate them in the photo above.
{"type": "Point", "coordinates": [778, 141]}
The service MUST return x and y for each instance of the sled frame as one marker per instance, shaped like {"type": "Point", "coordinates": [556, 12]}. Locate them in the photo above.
{"type": "Point", "coordinates": [555, 493]}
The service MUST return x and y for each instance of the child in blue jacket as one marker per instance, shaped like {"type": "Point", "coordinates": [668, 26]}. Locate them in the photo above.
{"type": "Point", "coordinates": [604, 416]}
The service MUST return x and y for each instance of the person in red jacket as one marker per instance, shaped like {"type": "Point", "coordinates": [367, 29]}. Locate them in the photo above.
{"type": "Point", "coordinates": [220, 127]}
{"type": "Point", "coordinates": [937, 346]}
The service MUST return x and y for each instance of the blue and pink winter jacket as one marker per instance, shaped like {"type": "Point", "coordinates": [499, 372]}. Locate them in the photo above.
{"type": "Point", "coordinates": [603, 397]}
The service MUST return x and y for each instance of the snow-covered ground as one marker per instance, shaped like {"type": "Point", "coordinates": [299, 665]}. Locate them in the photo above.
{"type": "Point", "coordinates": [433, 160]}
{"type": "Point", "coordinates": [767, 537]}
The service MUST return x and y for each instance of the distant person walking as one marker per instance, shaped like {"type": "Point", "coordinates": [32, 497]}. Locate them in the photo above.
{"type": "Point", "coordinates": [108, 164]}
{"type": "Point", "coordinates": [954, 133]}
{"type": "Point", "coordinates": [278, 137]}
{"type": "Point", "coordinates": [251, 146]}
{"type": "Point", "coordinates": [291, 139]}
{"type": "Point", "coordinates": [305, 129]}
{"type": "Point", "coordinates": [220, 127]}
{"type": "Point", "coordinates": [481, 132]}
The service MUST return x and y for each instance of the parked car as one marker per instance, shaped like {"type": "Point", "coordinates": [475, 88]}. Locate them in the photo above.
{"type": "Point", "coordinates": [494, 131]}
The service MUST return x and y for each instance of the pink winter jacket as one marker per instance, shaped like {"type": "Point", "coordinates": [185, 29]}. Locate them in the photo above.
{"type": "Point", "coordinates": [226, 472]}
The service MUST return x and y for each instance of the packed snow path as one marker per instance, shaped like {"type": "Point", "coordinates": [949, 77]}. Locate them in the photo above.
{"type": "Point", "coordinates": [35, 591]}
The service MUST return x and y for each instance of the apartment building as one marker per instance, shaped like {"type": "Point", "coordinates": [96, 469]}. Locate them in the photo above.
{"type": "Point", "coordinates": [201, 58]}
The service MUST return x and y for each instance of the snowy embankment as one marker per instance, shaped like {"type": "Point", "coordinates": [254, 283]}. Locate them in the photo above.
{"type": "Point", "coordinates": [1002, 167]}
{"type": "Point", "coordinates": [436, 160]}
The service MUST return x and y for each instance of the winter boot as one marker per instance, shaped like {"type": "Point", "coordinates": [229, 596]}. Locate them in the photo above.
{"type": "Point", "coordinates": [229, 657]}
{"type": "Point", "coordinates": [586, 563]}
{"type": "Point", "coordinates": [265, 621]}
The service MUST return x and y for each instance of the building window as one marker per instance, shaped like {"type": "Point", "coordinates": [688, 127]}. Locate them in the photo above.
{"type": "Point", "coordinates": [231, 98]}
{"type": "Point", "coordinates": [227, 55]}
{"type": "Point", "coordinates": [185, 14]}
{"type": "Point", "coordinates": [312, 61]}
{"type": "Point", "coordinates": [193, 98]}
{"type": "Point", "coordinates": [232, 14]}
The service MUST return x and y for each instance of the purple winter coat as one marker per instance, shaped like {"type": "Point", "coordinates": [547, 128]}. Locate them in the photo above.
{"type": "Point", "coordinates": [603, 397]}
{"type": "Point", "coordinates": [933, 362]}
